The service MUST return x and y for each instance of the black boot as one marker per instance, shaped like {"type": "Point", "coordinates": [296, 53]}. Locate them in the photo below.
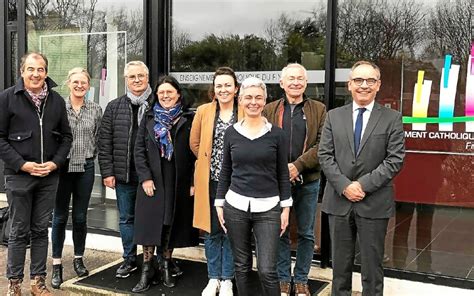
{"type": "Point", "coordinates": [148, 272]}
{"type": "Point", "coordinates": [57, 276]}
{"type": "Point", "coordinates": [168, 280]}
{"type": "Point", "coordinates": [157, 278]}
{"type": "Point", "coordinates": [79, 267]}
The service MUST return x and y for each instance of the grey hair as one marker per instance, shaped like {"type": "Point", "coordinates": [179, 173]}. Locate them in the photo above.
{"type": "Point", "coordinates": [294, 65]}
{"type": "Point", "coordinates": [253, 82]}
{"type": "Point", "coordinates": [134, 63]}
{"type": "Point", "coordinates": [368, 63]}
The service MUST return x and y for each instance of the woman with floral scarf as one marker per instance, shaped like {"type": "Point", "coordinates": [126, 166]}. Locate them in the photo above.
{"type": "Point", "coordinates": [165, 165]}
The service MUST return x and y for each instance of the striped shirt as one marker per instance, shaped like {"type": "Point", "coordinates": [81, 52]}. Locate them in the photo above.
{"type": "Point", "coordinates": [84, 127]}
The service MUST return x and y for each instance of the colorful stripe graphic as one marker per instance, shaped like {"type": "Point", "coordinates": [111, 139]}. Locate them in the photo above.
{"type": "Point", "coordinates": [448, 84]}
{"type": "Point", "coordinates": [447, 92]}
{"type": "Point", "coordinates": [470, 90]}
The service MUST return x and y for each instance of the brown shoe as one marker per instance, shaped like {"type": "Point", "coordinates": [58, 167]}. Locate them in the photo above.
{"type": "Point", "coordinates": [14, 287]}
{"type": "Point", "coordinates": [38, 286]}
{"type": "Point", "coordinates": [285, 288]}
{"type": "Point", "coordinates": [302, 290]}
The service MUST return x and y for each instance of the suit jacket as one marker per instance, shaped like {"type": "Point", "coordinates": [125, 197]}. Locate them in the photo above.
{"type": "Point", "coordinates": [380, 158]}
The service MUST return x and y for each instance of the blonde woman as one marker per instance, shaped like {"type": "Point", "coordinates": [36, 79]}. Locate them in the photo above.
{"type": "Point", "coordinates": [77, 178]}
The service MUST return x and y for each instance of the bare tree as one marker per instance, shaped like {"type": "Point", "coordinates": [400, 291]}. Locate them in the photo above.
{"type": "Point", "coordinates": [36, 10]}
{"type": "Point", "coordinates": [449, 29]}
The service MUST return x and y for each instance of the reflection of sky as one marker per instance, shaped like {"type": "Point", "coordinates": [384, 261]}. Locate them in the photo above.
{"type": "Point", "coordinates": [225, 17]}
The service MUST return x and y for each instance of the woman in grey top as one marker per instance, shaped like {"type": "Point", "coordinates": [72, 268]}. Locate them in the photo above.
{"type": "Point", "coordinates": [77, 177]}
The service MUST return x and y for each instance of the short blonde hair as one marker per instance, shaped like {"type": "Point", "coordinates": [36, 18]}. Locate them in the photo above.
{"type": "Point", "coordinates": [78, 70]}
{"type": "Point", "coordinates": [253, 82]}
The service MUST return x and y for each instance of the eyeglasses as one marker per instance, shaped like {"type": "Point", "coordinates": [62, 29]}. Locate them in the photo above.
{"type": "Point", "coordinates": [134, 77]}
{"type": "Point", "coordinates": [368, 81]}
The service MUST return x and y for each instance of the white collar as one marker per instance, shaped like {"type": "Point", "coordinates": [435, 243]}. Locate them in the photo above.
{"type": "Point", "coordinates": [369, 107]}
{"type": "Point", "coordinates": [241, 130]}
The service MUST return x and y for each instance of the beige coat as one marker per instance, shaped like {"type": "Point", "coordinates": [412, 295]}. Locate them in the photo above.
{"type": "Point", "coordinates": [200, 141]}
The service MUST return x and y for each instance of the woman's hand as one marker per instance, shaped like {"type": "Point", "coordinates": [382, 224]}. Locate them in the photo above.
{"type": "Point", "coordinates": [220, 215]}
{"type": "Point", "coordinates": [285, 214]}
{"type": "Point", "coordinates": [149, 187]}
{"type": "Point", "coordinates": [191, 191]}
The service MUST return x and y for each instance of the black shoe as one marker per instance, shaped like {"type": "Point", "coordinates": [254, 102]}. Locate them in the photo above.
{"type": "Point", "coordinates": [128, 266]}
{"type": "Point", "coordinates": [157, 278]}
{"type": "Point", "coordinates": [175, 270]}
{"type": "Point", "coordinates": [79, 267]}
{"type": "Point", "coordinates": [57, 276]}
{"type": "Point", "coordinates": [168, 280]}
{"type": "Point", "coordinates": [148, 273]}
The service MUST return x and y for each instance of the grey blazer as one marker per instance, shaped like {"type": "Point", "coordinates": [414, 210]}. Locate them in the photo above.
{"type": "Point", "coordinates": [380, 158]}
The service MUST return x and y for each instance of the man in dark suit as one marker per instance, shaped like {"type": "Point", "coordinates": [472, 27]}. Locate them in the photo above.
{"type": "Point", "coordinates": [361, 151]}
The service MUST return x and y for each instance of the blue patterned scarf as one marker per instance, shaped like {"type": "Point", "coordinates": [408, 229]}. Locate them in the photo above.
{"type": "Point", "coordinates": [164, 120]}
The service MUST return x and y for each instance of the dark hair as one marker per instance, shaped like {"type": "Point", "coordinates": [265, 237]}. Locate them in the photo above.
{"type": "Point", "coordinates": [33, 53]}
{"type": "Point", "coordinates": [222, 71]}
{"type": "Point", "coordinates": [187, 103]}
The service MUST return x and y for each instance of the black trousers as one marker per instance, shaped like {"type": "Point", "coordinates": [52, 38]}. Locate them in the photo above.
{"type": "Point", "coordinates": [371, 232]}
{"type": "Point", "coordinates": [31, 201]}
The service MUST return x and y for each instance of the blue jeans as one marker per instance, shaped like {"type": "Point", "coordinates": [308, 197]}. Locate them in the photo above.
{"type": "Point", "coordinates": [126, 195]}
{"type": "Point", "coordinates": [31, 201]}
{"type": "Point", "coordinates": [79, 185]}
{"type": "Point", "coordinates": [220, 263]}
{"type": "Point", "coordinates": [305, 200]}
{"type": "Point", "coordinates": [266, 229]}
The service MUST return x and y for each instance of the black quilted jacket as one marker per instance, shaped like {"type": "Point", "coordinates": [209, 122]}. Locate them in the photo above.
{"type": "Point", "coordinates": [115, 139]}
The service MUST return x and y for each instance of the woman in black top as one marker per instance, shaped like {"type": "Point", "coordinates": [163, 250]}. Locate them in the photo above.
{"type": "Point", "coordinates": [253, 193]}
{"type": "Point", "coordinates": [164, 164]}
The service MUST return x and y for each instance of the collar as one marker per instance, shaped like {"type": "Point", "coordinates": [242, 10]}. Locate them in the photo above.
{"type": "Point", "coordinates": [267, 127]}
{"type": "Point", "coordinates": [87, 104]}
{"type": "Point", "coordinates": [369, 107]}
{"type": "Point", "coordinates": [286, 102]}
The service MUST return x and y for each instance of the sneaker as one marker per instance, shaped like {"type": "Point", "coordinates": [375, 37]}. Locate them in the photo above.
{"type": "Point", "coordinates": [126, 268]}
{"type": "Point", "coordinates": [175, 270]}
{"type": "Point", "coordinates": [285, 289]}
{"type": "Point", "coordinates": [14, 287]}
{"type": "Point", "coordinates": [302, 289]}
{"type": "Point", "coordinates": [226, 288]}
{"type": "Point", "coordinates": [212, 288]}
{"type": "Point", "coordinates": [38, 286]}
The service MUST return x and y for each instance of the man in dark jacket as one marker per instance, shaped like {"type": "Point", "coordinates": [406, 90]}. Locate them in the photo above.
{"type": "Point", "coordinates": [302, 120]}
{"type": "Point", "coordinates": [117, 135]}
{"type": "Point", "coordinates": [35, 139]}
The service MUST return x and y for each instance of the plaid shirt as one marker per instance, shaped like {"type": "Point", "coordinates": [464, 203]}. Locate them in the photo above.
{"type": "Point", "coordinates": [85, 127]}
{"type": "Point", "coordinates": [38, 98]}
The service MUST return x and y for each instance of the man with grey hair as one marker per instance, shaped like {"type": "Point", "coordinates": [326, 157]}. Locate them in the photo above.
{"type": "Point", "coordinates": [35, 139]}
{"type": "Point", "coordinates": [361, 151]}
{"type": "Point", "coordinates": [117, 135]}
{"type": "Point", "coordinates": [302, 120]}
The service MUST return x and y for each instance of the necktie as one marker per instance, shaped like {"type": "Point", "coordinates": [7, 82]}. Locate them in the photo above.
{"type": "Point", "coordinates": [358, 129]}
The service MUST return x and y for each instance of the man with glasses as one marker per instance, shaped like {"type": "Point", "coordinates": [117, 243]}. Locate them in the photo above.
{"type": "Point", "coordinates": [301, 119]}
{"type": "Point", "coordinates": [361, 151]}
{"type": "Point", "coordinates": [117, 135]}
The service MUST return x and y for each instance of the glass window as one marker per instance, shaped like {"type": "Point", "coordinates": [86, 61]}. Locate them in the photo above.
{"type": "Point", "coordinates": [424, 49]}
{"type": "Point", "coordinates": [12, 11]}
{"type": "Point", "coordinates": [253, 37]}
{"type": "Point", "coordinates": [99, 35]}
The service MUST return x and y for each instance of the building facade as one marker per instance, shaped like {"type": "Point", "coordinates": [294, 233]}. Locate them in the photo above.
{"type": "Point", "coordinates": [425, 50]}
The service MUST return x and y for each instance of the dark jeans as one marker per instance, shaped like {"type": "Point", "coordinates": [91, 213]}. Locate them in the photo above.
{"type": "Point", "coordinates": [266, 229]}
{"type": "Point", "coordinates": [305, 200]}
{"type": "Point", "coordinates": [126, 196]}
{"type": "Point", "coordinates": [31, 201]}
{"type": "Point", "coordinates": [79, 185]}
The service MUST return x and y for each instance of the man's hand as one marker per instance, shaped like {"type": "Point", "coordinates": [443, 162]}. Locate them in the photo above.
{"type": "Point", "coordinates": [191, 191]}
{"type": "Point", "coordinates": [109, 182]}
{"type": "Point", "coordinates": [284, 217]}
{"type": "Point", "coordinates": [354, 192]}
{"type": "Point", "coordinates": [149, 187]}
{"type": "Point", "coordinates": [39, 169]}
{"type": "Point", "coordinates": [294, 174]}
{"type": "Point", "coordinates": [220, 215]}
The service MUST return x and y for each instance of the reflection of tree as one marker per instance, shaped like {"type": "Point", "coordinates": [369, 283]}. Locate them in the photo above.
{"type": "Point", "coordinates": [449, 29]}
{"type": "Point", "coordinates": [377, 29]}
{"type": "Point", "coordinates": [36, 9]}
{"type": "Point", "coordinates": [242, 53]}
